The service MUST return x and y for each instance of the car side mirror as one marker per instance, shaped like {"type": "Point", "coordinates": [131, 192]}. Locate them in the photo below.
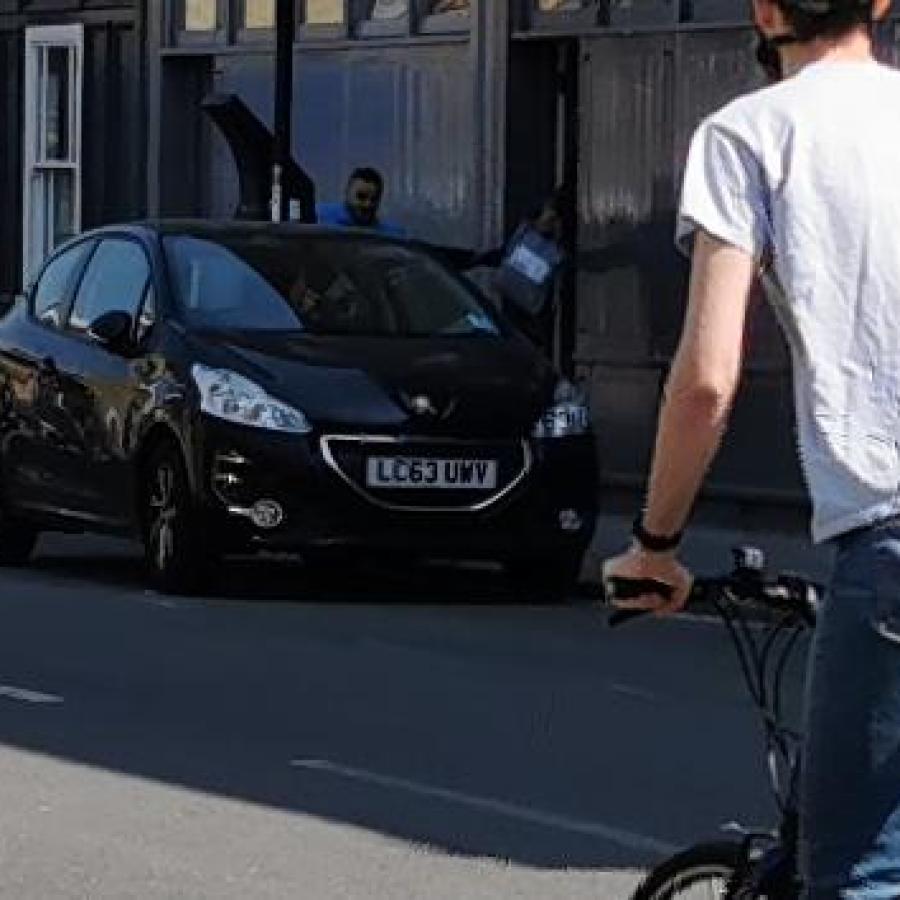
{"type": "Point", "coordinates": [112, 330]}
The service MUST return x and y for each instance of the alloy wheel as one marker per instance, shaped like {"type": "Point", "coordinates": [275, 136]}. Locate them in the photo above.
{"type": "Point", "coordinates": [178, 552]}
{"type": "Point", "coordinates": [163, 508]}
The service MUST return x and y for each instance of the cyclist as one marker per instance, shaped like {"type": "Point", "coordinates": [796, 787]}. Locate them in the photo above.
{"type": "Point", "coordinates": [806, 173]}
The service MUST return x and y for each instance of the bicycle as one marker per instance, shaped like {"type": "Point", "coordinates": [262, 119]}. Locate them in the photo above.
{"type": "Point", "coordinates": [753, 864]}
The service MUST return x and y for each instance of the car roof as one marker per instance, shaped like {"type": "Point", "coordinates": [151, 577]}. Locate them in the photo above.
{"type": "Point", "coordinates": [224, 228]}
{"type": "Point", "coordinates": [148, 229]}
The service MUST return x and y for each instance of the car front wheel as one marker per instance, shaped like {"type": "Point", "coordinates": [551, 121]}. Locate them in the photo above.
{"type": "Point", "coordinates": [178, 559]}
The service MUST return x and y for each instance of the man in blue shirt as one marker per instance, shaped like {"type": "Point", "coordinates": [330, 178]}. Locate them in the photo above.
{"type": "Point", "coordinates": [365, 188]}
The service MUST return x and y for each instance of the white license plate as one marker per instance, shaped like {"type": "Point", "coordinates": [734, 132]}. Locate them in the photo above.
{"type": "Point", "coordinates": [445, 474]}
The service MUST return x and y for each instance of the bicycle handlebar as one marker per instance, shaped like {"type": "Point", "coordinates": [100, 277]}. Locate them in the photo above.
{"type": "Point", "coordinates": [764, 648]}
{"type": "Point", "coordinates": [786, 592]}
{"type": "Point", "coordinates": [628, 588]}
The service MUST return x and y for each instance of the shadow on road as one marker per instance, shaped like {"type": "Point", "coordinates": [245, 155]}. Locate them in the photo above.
{"type": "Point", "coordinates": [339, 578]}
{"type": "Point", "coordinates": [422, 703]}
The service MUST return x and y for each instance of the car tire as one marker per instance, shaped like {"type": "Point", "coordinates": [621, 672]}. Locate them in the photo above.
{"type": "Point", "coordinates": [545, 577]}
{"type": "Point", "coordinates": [178, 559]}
{"type": "Point", "coordinates": [17, 540]}
{"type": "Point", "coordinates": [720, 866]}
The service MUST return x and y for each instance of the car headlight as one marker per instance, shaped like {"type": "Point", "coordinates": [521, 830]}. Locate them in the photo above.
{"type": "Point", "coordinates": [227, 395]}
{"type": "Point", "coordinates": [568, 416]}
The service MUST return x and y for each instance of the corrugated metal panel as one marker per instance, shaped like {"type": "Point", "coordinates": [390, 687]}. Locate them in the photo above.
{"type": "Point", "coordinates": [642, 97]}
{"type": "Point", "coordinates": [407, 111]}
{"type": "Point", "coordinates": [532, 128]}
{"type": "Point", "coordinates": [625, 128]}
{"type": "Point", "coordinates": [713, 68]}
{"type": "Point", "coordinates": [113, 127]}
{"type": "Point", "coordinates": [187, 149]}
{"type": "Point", "coordinates": [625, 191]}
{"type": "Point", "coordinates": [625, 148]}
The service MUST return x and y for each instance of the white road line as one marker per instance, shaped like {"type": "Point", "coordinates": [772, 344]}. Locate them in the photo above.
{"type": "Point", "coordinates": [627, 839]}
{"type": "Point", "coordinates": [153, 599]}
{"type": "Point", "coordinates": [23, 694]}
{"type": "Point", "coordinates": [628, 691]}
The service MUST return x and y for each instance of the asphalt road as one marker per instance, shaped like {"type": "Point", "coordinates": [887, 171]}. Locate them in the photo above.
{"type": "Point", "coordinates": [378, 734]}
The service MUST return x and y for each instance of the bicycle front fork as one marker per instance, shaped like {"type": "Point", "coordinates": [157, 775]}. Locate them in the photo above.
{"type": "Point", "coordinates": [770, 864]}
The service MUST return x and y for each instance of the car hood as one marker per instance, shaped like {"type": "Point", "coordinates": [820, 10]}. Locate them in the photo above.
{"type": "Point", "coordinates": [480, 385]}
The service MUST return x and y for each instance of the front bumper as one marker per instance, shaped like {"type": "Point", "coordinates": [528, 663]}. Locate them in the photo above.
{"type": "Point", "coordinates": [545, 502]}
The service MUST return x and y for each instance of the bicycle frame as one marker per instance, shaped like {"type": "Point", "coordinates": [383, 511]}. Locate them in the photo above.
{"type": "Point", "coordinates": [766, 865]}
{"type": "Point", "coordinates": [770, 868]}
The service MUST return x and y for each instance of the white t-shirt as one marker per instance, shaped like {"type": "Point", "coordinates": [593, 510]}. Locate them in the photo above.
{"type": "Point", "coordinates": [809, 170]}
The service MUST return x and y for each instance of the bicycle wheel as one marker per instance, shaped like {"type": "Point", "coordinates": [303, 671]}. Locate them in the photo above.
{"type": "Point", "coordinates": [703, 872]}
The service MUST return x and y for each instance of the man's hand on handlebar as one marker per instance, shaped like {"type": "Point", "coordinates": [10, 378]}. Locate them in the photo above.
{"type": "Point", "coordinates": [639, 564]}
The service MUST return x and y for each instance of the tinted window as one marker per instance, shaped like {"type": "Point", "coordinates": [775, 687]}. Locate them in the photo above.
{"type": "Point", "coordinates": [115, 279]}
{"type": "Point", "coordinates": [320, 284]}
{"type": "Point", "coordinates": [55, 282]}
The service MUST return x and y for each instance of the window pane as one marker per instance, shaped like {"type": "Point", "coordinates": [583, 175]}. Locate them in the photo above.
{"type": "Point", "coordinates": [200, 15]}
{"type": "Point", "coordinates": [56, 116]}
{"type": "Point", "coordinates": [40, 130]}
{"type": "Point", "coordinates": [115, 280]}
{"type": "Point", "coordinates": [55, 282]}
{"type": "Point", "coordinates": [63, 221]}
{"type": "Point", "coordinates": [560, 5]}
{"type": "Point", "coordinates": [324, 12]}
{"type": "Point", "coordinates": [259, 13]}
{"type": "Point", "coordinates": [39, 237]}
{"type": "Point", "coordinates": [52, 199]}
{"type": "Point", "coordinates": [389, 9]}
{"type": "Point", "coordinates": [449, 6]}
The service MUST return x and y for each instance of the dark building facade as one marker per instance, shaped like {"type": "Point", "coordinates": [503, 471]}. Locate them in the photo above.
{"type": "Point", "coordinates": [72, 119]}
{"type": "Point", "coordinates": [473, 109]}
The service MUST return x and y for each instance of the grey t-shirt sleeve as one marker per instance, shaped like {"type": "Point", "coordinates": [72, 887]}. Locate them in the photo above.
{"type": "Point", "coordinates": [723, 192]}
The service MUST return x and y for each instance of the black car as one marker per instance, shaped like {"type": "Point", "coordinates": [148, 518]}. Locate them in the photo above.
{"type": "Point", "coordinates": [233, 387]}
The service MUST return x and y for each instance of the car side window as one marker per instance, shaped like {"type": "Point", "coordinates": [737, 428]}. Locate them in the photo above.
{"type": "Point", "coordinates": [115, 279]}
{"type": "Point", "coordinates": [55, 284]}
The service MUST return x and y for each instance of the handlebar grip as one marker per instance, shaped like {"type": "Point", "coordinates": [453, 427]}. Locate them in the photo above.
{"type": "Point", "coordinates": [625, 588]}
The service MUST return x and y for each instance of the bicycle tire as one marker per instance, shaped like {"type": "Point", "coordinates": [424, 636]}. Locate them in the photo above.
{"type": "Point", "coordinates": [711, 864]}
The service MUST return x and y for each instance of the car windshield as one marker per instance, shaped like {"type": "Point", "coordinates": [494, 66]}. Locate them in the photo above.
{"type": "Point", "coordinates": [320, 284]}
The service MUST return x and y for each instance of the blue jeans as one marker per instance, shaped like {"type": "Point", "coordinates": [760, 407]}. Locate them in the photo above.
{"type": "Point", "coordinates": [850, 792]}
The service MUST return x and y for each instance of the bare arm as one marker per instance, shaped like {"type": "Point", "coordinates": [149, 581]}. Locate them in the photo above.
{"type": "Point", "coordinates": [698, 398]}
{"type": "Point", "coordinates": [702, 383]}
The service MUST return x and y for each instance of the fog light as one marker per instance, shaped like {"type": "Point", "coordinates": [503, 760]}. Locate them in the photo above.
{"type": "Point", "coordinates": [570, 520]}
{"type": "Point", "coordinates": [266, 514]}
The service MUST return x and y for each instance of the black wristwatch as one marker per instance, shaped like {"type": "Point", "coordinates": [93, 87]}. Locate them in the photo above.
{"type": "Point", "coordinates": [655, 543]}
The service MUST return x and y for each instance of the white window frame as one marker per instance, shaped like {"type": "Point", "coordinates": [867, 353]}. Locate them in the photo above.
{"type": "Point", "coordinates": [70, 37]}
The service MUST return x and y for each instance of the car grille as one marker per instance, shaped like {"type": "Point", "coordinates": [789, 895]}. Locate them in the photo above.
{"type": "Point", "coordinates": [347, 455]}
